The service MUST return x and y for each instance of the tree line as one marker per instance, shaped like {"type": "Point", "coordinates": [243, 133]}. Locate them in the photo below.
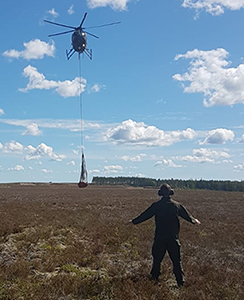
{"type": "Point", "coordinates": [219, 185]}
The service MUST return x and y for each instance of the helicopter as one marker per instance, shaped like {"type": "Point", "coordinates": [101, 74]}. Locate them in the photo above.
{"type": "Point", "coordinates": [79, 37]}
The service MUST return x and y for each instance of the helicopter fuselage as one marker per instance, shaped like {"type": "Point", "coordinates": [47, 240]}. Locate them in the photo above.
{"type": "Point", "coordinates": [79, 37]}
{"type": "Point", "coordinates": [79, 40]}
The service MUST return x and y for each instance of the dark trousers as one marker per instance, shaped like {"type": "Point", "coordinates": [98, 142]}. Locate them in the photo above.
{"type": "Point", "coordinates": [160, 246]}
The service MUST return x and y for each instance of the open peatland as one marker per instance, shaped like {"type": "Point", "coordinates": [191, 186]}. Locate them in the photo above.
{"type": "Point", "coordinates": [63, 243]}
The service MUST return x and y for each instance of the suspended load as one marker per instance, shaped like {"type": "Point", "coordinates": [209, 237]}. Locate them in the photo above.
{"type": "Point", "coordinates": [79, 45]}
{"type": "Point", "coordinates": [83, 175]}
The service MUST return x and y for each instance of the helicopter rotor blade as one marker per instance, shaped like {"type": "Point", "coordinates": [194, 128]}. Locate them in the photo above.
{"type": "Point", "coordinates": [95, 36]}
{"type": "Point", "coordinates": [83, 20]}
{"type": "Point", "coordinates": [59, 24]}
{"type": "Point", "coordinates": [60, 33]}
{"type": "Point", "coordinates": [103, 25]}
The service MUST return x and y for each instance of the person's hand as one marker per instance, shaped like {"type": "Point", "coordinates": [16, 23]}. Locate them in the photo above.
{"type": "Point", "coordinates": [197, 222]}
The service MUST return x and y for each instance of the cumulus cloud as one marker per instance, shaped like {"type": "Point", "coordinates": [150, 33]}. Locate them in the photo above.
{"type": "Point", "coordinates": [13, 147]}
{"type": "Point", "coordinates": [32, 129]}
{"type": "Point", "coordinates": [112, 169]}
{"type": "Point", "coordinates": [46, 171]}
{"type": "Point", "coordinates": [71, 163]}
{"type": "Point", "coordinates": [65, 88]}
{"type": "Point", "coordinates": [218, 136]}
{"type": "Point", "coordinates": [114, 4]}
{"type": "Point", "coordinates": [167, 163]}
{"type": "Point", "coordinates": [1, 112]}
{"type": "Point", "coordinates": [141, 134]}
{"type": "Point", "coordinates": [204, 155]}
{"type": "Point", "coordinates": [96, 88]}
{"type": "Point", "coordinates": [35, 49]}
{"type": "Point", "coordinates": [30, 151]}
{"type": "Point", "coordinates": [94, 171]}
{"type": "Point", "coordinates": [209, 74]}
{"type": "Point", "coordinates": [242, 139]}
{"type": "Point", "coordinates": [239, 167]}
{"type": "Point", "coordinates": [42, 150]}
{"type": "Point", "coordinates": [53, 13]}
{"type": "Point", "coordinates": [138, 157]}
{"type": "Point", "coordinates": [71, 10]}
{"type": "Point", "coordinates": [214, 7]}
{"type": "Point", "coordinates": [16, 168]}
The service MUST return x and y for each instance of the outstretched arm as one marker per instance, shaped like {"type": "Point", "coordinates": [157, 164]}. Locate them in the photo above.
{"type": "Point", "coordinates": [187, 216]}
{"type": "Point", "coordinates": [147, 214]}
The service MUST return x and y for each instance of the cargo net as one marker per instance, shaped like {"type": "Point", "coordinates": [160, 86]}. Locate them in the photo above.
{"type": "Point", "coordinates": [83, 175]}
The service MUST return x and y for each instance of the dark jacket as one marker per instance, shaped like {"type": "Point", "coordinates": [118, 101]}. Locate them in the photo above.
{"type": "Point", "coordinates": [166, 212]}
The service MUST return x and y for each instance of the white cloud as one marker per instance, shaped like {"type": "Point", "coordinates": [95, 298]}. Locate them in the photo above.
{"type": "Point", "coordinates": [218, 136]}
{"type": "Point", "coordinates": [208, 74]}
{"type": "Point", "coordinates": [13, 147]}
{"type": "Point", "coordinates": [53, 13]}
{"type": "Point", "coordinates": [1, 146]}
{"type": "Point", "coordinates": [42, 150]}
{"type": "Point", "coordinates": [97, 88]}
{"type": "Point", "coordinates": [17, 168]}
{"type": "Point", "coordinates": [114, 4]}
{"type": "Point", "coordinates": [71, 10]}
{"type": "Point", "coordinates": [47, 171]}
{"type": "Point", "coordinates": [214, 7]}
{"type": "Point", "coordinates": [167, 163]}
{"type": "Point", "coordinates": [1, 112]}
{"type": "Point", "coordinates": [72, 125]}
{"type": "Point", "coordinates": [65, 88]}
{"type": "Point", "coordinates": [112, 169]}
{"type": "Point", "coordinates": [141, 134]}
{"type": "Point", "coordinates": [205, 152]}
{"type": "Point", "coordinates": [35, 49]}
{"type": "Point", "coordinates": [32, 129]}
{"type": "Point", "coordinates": [31, 152]}
{"type": "Point", "coordinates": [94, 171]}
{"type": "Point", "coordinates": [133, 158]}
{"type": "Point", "coordinates": [71, 163]}
{"type": "Point", "coordinates": [204, 155]}
{"type": "Point", "coordinates": [239, 167]}
{"type": "Point", "coordinates": [76, 152]}
{"type": "Point", "coordinates": [242, 139]}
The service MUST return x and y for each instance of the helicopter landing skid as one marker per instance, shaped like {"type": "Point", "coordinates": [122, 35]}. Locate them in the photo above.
{"type": "Point", "coordinates": [88, 53]}
{"type": "Point", "coordinates": [70, 53]}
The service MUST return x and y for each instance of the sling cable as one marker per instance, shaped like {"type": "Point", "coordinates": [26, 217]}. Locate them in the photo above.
{"type": "Point", "coordinates": [83, 174]}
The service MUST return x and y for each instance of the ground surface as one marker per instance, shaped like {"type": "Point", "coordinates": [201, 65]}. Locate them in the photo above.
{"type": "Point", "coordinates": [62, 242]}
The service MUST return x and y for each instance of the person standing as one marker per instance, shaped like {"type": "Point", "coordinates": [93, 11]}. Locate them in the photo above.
{"type": "Point", "coordinates": [166, 213]}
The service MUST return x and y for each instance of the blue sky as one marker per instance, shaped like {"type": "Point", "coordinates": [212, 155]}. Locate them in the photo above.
{"type": "Point", "coordinates": [162, 97]}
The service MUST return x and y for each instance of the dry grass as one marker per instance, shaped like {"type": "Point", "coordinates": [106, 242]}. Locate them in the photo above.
{"type": "Point", "coordinates": [60, 242]}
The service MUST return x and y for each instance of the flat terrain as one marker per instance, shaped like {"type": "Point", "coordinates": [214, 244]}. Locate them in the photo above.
{"type": "Point", "coordinates": [61, 242]}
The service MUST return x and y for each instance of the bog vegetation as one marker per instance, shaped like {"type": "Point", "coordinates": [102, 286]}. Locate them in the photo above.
{"type": "Point", "coordinates": [60, 242]}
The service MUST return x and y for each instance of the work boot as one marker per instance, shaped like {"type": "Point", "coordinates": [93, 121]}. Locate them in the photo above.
{"type": "Point", "coordinates": [180, 283]}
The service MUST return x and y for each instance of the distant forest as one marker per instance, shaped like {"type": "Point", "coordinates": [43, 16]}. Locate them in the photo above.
{"type": "Point", "coordinates": [219, 185]}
